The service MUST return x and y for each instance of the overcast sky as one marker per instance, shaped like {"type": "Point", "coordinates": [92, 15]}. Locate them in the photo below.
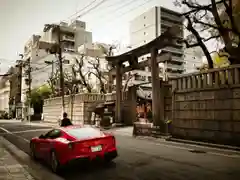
{"type": "Point", "coordinates": [21, 18]}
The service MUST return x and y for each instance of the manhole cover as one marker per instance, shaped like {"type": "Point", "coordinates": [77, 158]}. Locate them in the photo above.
{"type": "Point", "coordinates": [197, 151]}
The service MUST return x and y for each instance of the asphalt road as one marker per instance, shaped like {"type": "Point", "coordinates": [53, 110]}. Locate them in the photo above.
{"type": "Point", "coordinates": [144, 159]}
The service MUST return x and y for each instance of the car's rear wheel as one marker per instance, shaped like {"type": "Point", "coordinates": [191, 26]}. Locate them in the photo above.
{"type": "Point", "coordinates": [33, 151]}
{"type": "Point", "coordinates": [54, 162]}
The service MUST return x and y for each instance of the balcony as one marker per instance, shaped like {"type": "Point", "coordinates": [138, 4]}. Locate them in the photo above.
{"type": "Point", "coordinates": [167, 24]}
{"type": "Point", "coordinates": [174, 50]}
{"type": "Point", "coordinates": [180, 35]}
{"type": "Point", "coordinates": [68, 38]}
{"type": "Point", "coordinates": [69, 49]}
{"type": "Point", "coordinates": [175, 67]}
{"type": "Point", "coordinates": [171, 17]}
{"type": "Point", "coordinates": [177, 59]}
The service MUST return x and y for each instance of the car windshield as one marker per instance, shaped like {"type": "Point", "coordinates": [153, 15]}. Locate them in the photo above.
{"type": "Point", "coordinates": [84, 133]}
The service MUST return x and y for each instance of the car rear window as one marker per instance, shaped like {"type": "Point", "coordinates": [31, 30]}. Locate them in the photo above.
{"type": "Point", "coordinates": [83, 133]}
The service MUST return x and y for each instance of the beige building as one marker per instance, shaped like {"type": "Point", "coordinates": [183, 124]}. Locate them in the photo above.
{"type": "Point", "coordinates": [42, 62]}
{"type": "Point", "coordinates": [147, 27]}
{"type": "Point", "coordinates": [4, 96]}
{"type": "Point", "coordinates": [152, 24]}
{"type": "Point", "coordinates": [72, 35]}
{"type": "Point", "coordinates": [193, 58]}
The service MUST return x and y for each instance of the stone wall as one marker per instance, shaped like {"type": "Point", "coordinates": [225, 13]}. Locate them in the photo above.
{"type": "Point", "coordinates": [82, 104]}
{"type": "Point", "coordinates": [52, 109]}
{"type": "Point", "coordinates": [206, 106]}
{"type": "Point", "coordinates": [129, 105]}
{"type": "Point", "coordinates": [167, 102]}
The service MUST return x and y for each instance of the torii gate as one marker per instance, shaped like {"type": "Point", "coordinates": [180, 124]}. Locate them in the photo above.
{"type": "Point", "coordinates": [166, 39]}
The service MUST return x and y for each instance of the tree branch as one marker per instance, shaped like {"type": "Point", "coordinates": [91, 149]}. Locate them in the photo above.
{"type": "Point", "coordinates": [224, 34]}
{"type": "Point", "coordinates": [199, 8]}
{"type": "Point", "coordinates": [229, 11]}
{"type": "Point", "coordinates": [211, 37]}
{"type": "Point", "coordinates": [130, 76]}
{"type": "Point", "coordinates": [83, 79]}
{"type": "Point", "coordinates": [190, 45]}
{"type": "Point", "coordinates": [212, 25]}
{"type": "Point", "coordinates": [196, 6]}
{"type": "Point", "coordinates": [199, 40]}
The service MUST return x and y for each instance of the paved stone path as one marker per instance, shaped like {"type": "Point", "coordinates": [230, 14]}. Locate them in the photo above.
{"type": "Point", "coordinates": [10, 169]}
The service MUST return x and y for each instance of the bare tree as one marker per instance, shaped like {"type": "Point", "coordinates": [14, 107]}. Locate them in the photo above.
{"type": "Point", "coordinates": [129, 77]}
{"type": "Point", "coordinates": [214, 21]}
{"type": "Point", "coordinates": [52, 82]}
{"type": "Point", "coordinates": [78, 69]}
{"type": "Point", "coordinates": [71, 84]}
{"type": "Point", "coordinates": [99, 73]}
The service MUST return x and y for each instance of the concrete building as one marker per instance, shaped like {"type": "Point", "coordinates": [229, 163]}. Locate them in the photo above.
{"type": "Point", "coordinates": [152, 24]}
{"type": "Point", "coordinates": [193, 58]}
{"type": "Point", "coordinates": [72, 35]}
{"type": "Point", "coordinates": [42, 62]}
{"type": "Point", "coordinates": [4, 95]}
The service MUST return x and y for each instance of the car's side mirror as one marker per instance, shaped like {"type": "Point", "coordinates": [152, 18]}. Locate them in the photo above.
{"type": "Point", "coordinates": [42, 136]}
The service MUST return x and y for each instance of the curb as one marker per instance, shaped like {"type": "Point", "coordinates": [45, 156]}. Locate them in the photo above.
{"type": "Point", "coordinates": [35, 169]}
{"type": "Point", "coordinates": [219, 146]}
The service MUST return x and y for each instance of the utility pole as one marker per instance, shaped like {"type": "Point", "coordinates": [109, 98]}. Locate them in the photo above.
{"type": "Point", "coordinates": [52, 73]}
{"type": "Point", "coordinates": [60, 67]}
{"type": "Point", "coordinates": [58, 51]}
{"type": "Point", "coordinates": [29, 83]}
{"type": "Point", "coordinates": [19, 104]}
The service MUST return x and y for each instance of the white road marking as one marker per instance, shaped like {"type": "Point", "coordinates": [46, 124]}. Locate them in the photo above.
{"type": "Point", "coordinates": [188, 149]}
{"type": "Point", "coordinates": [202, 147]}
{"type": "Point", "coordinates": [5, 130]}
{"type": "Point", "coordinates": [168, 146]}
{"type": "Point", "coordinates": [13, 134]}
{"type": "Point", "coordinates": [32, 130]}
{"type": "Point", "coordinates": [24, 139]}
{"type": "Point", "coordinates": [225, 155]}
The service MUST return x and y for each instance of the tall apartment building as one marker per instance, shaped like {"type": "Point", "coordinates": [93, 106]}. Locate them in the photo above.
{"type": "Point", "coordinates": [193, 58]}
{"type": "Point", "coordinates": [152, 24]}
{"type": "Point", "coordinates": [4, 94]}
{"type": "Point", "coordinates": [72, 35]}
{"type": "Point", "coordinates": [36, 49]}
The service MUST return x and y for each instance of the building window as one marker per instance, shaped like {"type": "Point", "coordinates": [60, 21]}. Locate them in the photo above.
{"type": "Point", "coordinates": [144, 33]}
{"type": "Point", "coordinates": [149, 78]}
{"type": "Point", "coordinates": [144, 17]}
{"type": "Point", "coordinates": [144, 25]}
{"type": "Point", "coordinates": [65, 61]}
{"type": "Point", "coordinates": [124, 77]}
{"type": "Point", "coordinates": [144, 41]}
{"type": "Point", "coordinates": [139, 77]}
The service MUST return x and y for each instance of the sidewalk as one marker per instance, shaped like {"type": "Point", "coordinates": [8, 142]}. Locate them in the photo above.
{"type": "Point", "coordinates": [10, 168]}
{"type": "Point", "coordinates": [124, 131]}
{"type": "Point", "coordinates": [41, 123]}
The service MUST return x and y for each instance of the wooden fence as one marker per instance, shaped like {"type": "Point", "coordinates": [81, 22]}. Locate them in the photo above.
{"type": "Point", "coordinates": [206, 106]}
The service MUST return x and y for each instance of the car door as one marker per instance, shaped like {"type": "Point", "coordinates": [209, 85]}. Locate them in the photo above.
{"type": "Point", "coordinates": [47, 143]}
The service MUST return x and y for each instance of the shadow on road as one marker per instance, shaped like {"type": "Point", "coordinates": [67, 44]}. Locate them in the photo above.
{"type": "Point", "coordinates": [83, 171]}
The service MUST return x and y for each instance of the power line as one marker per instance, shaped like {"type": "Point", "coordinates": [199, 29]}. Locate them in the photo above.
{"type": "Point", "coordinates": [116, 3]}
{"type": "Point", "coordinates": [121, 15]}
{"type": "Point", "coordinates": [94, 7]}
{"type": "Point", "coordinates": [75, 14]}
{"type": "Point", "coordinates": [119, 8]}
{"type": "Point", "coordinates": [38, 69]}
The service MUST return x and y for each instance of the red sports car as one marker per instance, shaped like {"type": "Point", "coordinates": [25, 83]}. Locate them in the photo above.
{"type": "Point", "coordinates": [65, 145]}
